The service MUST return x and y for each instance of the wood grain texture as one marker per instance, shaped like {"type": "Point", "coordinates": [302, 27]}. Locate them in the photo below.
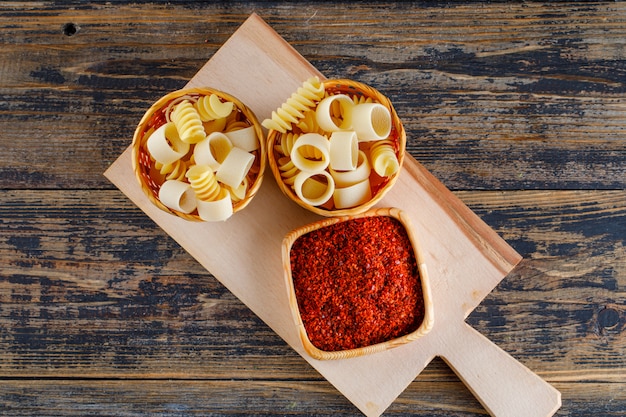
{"type": "Point", "coordinates": [538, 87]}
{"type": "Point", "coordinates": [465, 258]}
{"type": "Point", "coordinates": [518, 107]}
{"type": "Point", "coordinates": [125, 302]}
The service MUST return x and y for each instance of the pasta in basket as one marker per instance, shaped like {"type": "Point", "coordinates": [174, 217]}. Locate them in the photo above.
{"type": "Point", "coordinates": [334, 149]}
{"type": "Point", "coordinates": [191, 164]}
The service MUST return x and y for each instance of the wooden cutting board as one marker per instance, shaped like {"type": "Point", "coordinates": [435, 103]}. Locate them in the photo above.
{"type": "Point", "coordinates": [465, 258]}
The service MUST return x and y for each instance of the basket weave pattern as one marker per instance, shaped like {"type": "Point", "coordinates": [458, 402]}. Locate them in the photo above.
{"type": "Point", "coordinates": [144, 165]}
{"type": "Point", "coordinates": [381, 186]}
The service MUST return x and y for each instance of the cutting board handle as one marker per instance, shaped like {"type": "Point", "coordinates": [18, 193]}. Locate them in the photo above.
{"type": "Point", "coordinates": [504, 386]}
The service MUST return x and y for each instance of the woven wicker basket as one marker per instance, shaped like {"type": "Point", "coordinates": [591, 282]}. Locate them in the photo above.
{"type": "Point", "coordinates": [379, 187]}
{"type": "Point", "coordinates": [427, 322]}
{"type": "Point", "coordinates": [143, 165]}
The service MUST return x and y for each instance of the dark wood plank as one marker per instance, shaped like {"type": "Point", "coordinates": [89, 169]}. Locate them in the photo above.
{"type": "Point", "coordinates": [171, 398]}
{"type": "Point", "coordinates": [216, 398]}
{"type": "Point", "coordinates": [520, 107]}
{"type": "Point", "coordinates": [90, 288]}
{"type": "Point", "coordinates": [528, 85]}
{"type": "Point", "coordinates": [562, 308]}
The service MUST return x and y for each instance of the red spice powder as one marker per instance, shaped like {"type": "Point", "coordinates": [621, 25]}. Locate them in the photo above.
{"type": "Point", "coordinates": [357, 283]}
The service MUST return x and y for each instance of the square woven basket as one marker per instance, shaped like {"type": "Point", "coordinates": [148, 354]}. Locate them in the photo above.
{"type": "Point", "coordinates": [428, 318]}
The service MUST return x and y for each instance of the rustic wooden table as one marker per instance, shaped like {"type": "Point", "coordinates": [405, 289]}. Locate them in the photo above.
{"type": "Point", "coordinates": [520, 109]}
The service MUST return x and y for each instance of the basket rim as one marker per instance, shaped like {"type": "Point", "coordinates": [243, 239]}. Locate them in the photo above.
{"type": "Point", "coordinates": [429, 316]}
{"type": "Point", "coordinates": [202, 91]}
{"type": "Point", "coordinates": [339, 84]}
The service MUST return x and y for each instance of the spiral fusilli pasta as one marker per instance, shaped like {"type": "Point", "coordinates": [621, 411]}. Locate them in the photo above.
{"type": "Point", "coordinates": [174, 171]}
{"type": "Point", "coordinates": [212, 108]}
{"type": "Point", "coordinates": [204, 183]}
{"type": "Point", "coordinates": [286, 143]}
{"type": "Point", "coordinates": [360, 99]}
{"type": "Point", "coordinates": [292, 110]}
{"type": "Point", "coordinates": [232, 125]}
{"type": "Point", "coordinates": [238, 193]}
{"type": "Point", "coordinates": [384, 159]}
{"type": "Point", "coordinates": [288, 170]}
{"type": "Point", "coordinates": [308, 124]}
{"type": "Point", "coordinates": [188, 122]}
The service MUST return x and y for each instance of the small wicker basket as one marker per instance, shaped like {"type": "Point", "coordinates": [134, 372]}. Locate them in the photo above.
{"type": "Point", "coordinates": [428, 318]}
{"type": "Point", "coordinates": [380, 186]}
{"type": "Point", "coordinates": [144, 166]}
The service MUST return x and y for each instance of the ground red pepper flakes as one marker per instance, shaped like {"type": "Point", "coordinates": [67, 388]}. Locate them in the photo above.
{"type": "Point", "coordinates": [357, 283]}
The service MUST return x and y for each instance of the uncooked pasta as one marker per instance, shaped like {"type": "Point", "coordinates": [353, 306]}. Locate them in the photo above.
{"type": "Point", "coordinates": [293, 109]}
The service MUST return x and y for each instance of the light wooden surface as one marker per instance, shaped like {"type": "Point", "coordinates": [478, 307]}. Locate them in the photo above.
{"type": "Point", "coordinates": [516, 108]}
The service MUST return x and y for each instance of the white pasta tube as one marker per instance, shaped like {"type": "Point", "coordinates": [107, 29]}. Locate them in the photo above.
{"type": "Point", "coordinates": [312, 191]}
{"type": "Point", "coordinates": [332, 113]}
{"type": "Point", "coordinates": [317, 141]}
{"type": "Point", "coordinates": [344, 151]}
{"type": "Point", "coordinates": [370, 121]}
{"type": "Point", "coordinates": [165, 146]}
{"type": "Point", "coordinates": [352, 195]}
{"type": "Point", "coordinates": [216, 210]}
{"type": "Point", "coordinates": [235, 167]}
{"type": "Point", "coordinates": [347, 178]}
{"type": "Point", "coordinates": [213, 150]}
{"type": "Point", "coordinates": [178, 195]}
{"type": "Point", "coordinates": [245, 138]}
